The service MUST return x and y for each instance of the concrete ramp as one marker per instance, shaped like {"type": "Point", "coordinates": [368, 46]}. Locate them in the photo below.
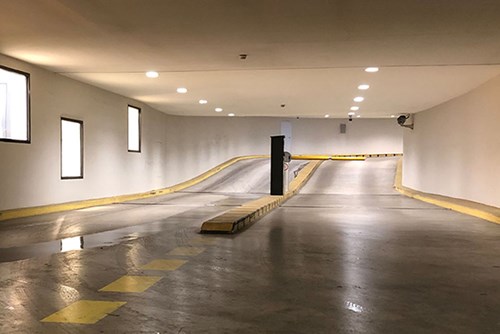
{"type": "Point", "coordinates": [354, 184]}
{"type": "Point", "coordinates": [247, 176]}
{"type": "Point", "coordinates": [372, 176]}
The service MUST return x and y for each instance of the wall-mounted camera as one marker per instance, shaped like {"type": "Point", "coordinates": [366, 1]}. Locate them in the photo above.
{"type": "Point", "coordinates": [405, 120]}
{"type": "Point", "coordinates": [350, 116]}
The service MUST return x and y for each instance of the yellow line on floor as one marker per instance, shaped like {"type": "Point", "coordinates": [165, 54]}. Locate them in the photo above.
{"type": "Point", "coordinates": [84, 312]}
{"type": "Point", "coordinates": [186, 251]}
{"type": "Point", "coordinates": [129, 283]}
{"type": "Point", "coordinates": [164, 264]}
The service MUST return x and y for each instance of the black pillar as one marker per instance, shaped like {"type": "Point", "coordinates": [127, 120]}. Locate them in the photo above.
{"type": "Point", "coordinates": [277, 152]}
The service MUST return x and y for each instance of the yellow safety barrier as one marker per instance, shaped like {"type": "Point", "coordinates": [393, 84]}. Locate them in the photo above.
{"type": "Point", "coordinates": [326, 157]}
{"type": "Point", "coordinates": [344, 156]}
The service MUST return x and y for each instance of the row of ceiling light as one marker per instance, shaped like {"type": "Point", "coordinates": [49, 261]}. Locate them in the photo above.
{"type": "Point", "coordinates": [183, 90]}
{"type": "Point", "coordinates": [359, 99]}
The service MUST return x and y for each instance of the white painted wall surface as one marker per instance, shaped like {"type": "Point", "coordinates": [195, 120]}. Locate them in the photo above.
{"type": "Point", "coordinates": [196, 144]}
{"type": "Point", "coordinates": [454, 149]}
{"type": "Point", "coordinates": [30, 173]}
{"type": "Point", "coordinates": [174, 148]}
{"type": "Point", "coordinates": [322, 136]}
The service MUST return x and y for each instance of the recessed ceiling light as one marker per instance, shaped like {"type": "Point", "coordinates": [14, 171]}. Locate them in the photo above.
{"type": "Point", "coordinates": [182, 90]}
{"type": "Point", "coordinates": [351, 113]}
{"type": "Point", "coordinates": [230, 114]}
{"type": "Point", "coordinates": [152, 74]}
{"type": "Point", "coordinates": [363, 87]}
{"type": "Point", "coordinates": [358, 116]}
{"type": "Point", "coordinates": [371, 69]}
{"type": "Point", "coordinates": [326, 116]}
{"type": "Point", "coordinates": [354, 108]}
{"type": "Point", "coordinates": [358, 99]}
{"type": "Point", "coordinates": [202, 101]}
{"type": "Point", "coordinates": [392, 116]}
{"type": "Point", "coordinates": [218, 109]}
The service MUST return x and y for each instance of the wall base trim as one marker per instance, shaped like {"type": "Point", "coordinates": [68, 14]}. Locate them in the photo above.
{"type": "Point", "coordinates": [486, 212]}
{"type": "Point", "coordinates": [52, 208]}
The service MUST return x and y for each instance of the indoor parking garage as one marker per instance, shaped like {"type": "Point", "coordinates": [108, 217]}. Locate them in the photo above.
{"type": "Point", "coordinates": [249, 166]}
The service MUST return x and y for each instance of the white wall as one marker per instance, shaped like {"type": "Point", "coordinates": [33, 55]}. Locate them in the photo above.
{"type": "Point", "coordinates": [173, 148]}
{"type": "Point", "coordinates": [454, 149]}
{"type": "Point", "coordinates": [322, 136]}
{"type": "Point", "coordinates": [198, 143]}
{"type": "Point", "coordinates": [30, 173]}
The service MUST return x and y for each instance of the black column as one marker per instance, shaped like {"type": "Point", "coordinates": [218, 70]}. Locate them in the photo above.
{"type": "Point", "coordinates": [277, 151]}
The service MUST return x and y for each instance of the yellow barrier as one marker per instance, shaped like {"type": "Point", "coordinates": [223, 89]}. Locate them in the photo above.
{"type": "Point", "coordinates": [344, 156]}
{"type": "Point", "coordinates": [326, 157]}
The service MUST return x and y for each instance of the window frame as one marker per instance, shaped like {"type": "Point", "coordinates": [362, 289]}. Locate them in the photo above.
{"type": "Point", "coordinates": [28, 107]}
{"type": "Point", "coordinates": [67, 119]}
{"type": "Point", "coordinates": [140, 129]}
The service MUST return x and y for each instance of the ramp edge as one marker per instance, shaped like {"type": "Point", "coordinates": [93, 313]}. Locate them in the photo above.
{"type": "Point", "coordinates": [478, 210]}
{"type": "Point", "coordinates": [242, 216]}
{"type": "Point", "coordinates": [60, 207]}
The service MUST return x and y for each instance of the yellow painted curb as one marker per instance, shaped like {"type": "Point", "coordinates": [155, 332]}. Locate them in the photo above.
{"type": "Point", "coordinates": [40, 210]}
{"type": "Point", "coordinates": [470, 208]}
{"type": "Point", "coordinates": [238, 218]}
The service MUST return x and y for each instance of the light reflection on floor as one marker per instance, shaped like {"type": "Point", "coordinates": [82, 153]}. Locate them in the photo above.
{"type": "Point", "coordinates": [354, 307]}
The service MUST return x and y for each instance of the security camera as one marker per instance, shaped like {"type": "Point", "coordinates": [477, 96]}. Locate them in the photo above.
{"type": "Point", "coordinates": [402, 121]}
{"type": "Point", "coordinates": [350, 118]}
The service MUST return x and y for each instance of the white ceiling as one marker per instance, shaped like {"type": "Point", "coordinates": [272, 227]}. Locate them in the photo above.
{"type": "Point", "coordinates": [309, 55]}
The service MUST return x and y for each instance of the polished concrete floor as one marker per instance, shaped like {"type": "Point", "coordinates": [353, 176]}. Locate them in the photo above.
{"type": "Point", "coordinates": [346, 255]}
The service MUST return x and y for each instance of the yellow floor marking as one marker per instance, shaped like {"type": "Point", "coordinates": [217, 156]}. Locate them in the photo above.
{"type": "Point", "coordinates": [186, 251]}
{"type": "Point", "coordinates": [84, 312]}
{"type": "Point", "coordinates": [131, 284]}
{"type": "Point", "coordinates": [163, 264]}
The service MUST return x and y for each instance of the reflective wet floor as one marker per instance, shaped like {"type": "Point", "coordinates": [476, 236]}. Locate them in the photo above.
{"type": "Point", "coordinates": [337, 258]}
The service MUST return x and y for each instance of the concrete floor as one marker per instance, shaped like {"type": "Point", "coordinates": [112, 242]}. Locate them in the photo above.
{"type": "Point", "coordinates": [346, 255]}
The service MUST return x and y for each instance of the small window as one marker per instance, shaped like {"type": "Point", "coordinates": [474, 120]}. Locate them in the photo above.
{"type": "Point", "coordinates": [71, 149]}
{"type": "Point", "coordinates": [134, 129]}
{"type": "Point", "coordinates": [14, 105]}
